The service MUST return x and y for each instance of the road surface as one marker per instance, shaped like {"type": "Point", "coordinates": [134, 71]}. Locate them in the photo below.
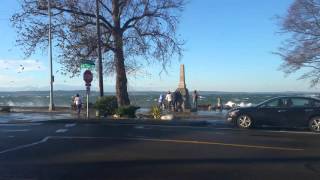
{"type": "Point", "coordinates": [71, 150]}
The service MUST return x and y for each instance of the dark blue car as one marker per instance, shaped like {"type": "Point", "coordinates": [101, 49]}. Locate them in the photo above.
{"type": "Point", "coordinates": [280, 112]}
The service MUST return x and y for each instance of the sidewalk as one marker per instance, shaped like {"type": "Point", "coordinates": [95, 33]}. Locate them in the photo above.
{"type": "Point", "coordinates": [66, 115]}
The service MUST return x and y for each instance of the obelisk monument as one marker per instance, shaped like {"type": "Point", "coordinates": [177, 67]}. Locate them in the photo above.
{"type": "Point", "coordinates": [182, 88]}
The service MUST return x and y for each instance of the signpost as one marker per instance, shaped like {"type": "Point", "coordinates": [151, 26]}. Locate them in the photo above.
{"type": "Point", "coordinates": [87, 64]}
{"type": "Point", "coordinates": [88, 77]}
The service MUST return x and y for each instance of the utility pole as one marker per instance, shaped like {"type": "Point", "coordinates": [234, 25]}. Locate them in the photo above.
{"type": "Point", "coordinates": [51, 105]}
{"type": "Point", "coordinates": [100, 74]}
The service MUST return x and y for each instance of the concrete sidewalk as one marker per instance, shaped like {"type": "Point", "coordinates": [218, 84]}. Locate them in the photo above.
{"type": "Point", "coordinates": [25, 115]}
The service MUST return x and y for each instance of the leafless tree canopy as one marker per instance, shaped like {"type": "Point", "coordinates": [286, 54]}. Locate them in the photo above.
{"type": "Point", "coordinates": [131, 29]}
{"type": "Point", "coordinates": [302, 49]}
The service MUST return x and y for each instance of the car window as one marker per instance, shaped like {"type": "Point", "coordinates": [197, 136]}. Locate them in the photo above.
{"type": "Point", "coordinates": [274, 103]}
{"type": "Point", "coordinates": [314, 103]}
{"type": "Point", "coordinates": [287, 102]}
{"type": "Point", "coordinates": [301, 102]}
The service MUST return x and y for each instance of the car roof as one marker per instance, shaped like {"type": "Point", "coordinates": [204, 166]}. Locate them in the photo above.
{"type": "Point", "coordinates": [279, 97]}
{"type": "Point", "coordinates": [308, 97]}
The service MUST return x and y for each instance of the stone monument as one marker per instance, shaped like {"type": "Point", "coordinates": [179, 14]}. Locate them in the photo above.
{"type": "Point", "coordinates": [182, 88]}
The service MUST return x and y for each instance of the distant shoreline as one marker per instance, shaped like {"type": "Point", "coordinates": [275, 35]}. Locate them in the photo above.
{"type": "Point", "coordinates": [204, 91]}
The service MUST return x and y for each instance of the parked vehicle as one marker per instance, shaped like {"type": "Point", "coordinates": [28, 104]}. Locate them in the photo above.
{"type": "Point", "coordinates": [280, 112]}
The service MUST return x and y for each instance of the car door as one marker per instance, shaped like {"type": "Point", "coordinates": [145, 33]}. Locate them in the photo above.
{"type": "Point", "coordinates": [272, 113]}
{"type": "Point", "coordinates": [299, 111]}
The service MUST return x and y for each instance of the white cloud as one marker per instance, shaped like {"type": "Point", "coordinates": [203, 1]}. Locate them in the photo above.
{"type": "Point", "coordinates": [19, 66]}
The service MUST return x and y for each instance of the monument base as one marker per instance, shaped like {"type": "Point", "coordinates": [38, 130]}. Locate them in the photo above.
{"type": "Point", "coordinates": [186, 107]}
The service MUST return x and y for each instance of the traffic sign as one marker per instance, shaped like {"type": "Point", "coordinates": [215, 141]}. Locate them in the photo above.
{"type": "Point", "coordinates": [87, 64]}
{"type": "Point", "coordinates": [88, 77]}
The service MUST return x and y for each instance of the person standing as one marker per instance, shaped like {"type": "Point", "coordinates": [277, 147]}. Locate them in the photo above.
{"type": "Point", "coordinates": [195, 97]}
{"type": "Point", "coordinates": [219, 103]}
{"type": "Point", "coordinates": [73, 105]}
{"type": "Point", "coordinates": [169, 100]}
{"type": "Point", "coordinates": [78, 103]}
{"type": "Point", "coordinates": [178, 100]}
{"type": "Point", "coordinates": [160, 101]}
{"type": "Point", "coordinates": [174, 100]}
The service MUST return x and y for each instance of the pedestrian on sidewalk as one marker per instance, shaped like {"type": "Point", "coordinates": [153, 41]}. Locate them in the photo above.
{"type": "Point", "coordinates": [78, 103]}
{"type": "Point", "coordinates": [219, 104]}
{"type": "Point", "coordinates": [160, 101]}
{"type": "Point", "coordinates": [169, 100]}
{"type": "Point", "coordinates": [174, 100]}
{"type": "Point", "coordinates": [195, 97]}
{"type": "Point", "coordinates": [73, 104]}
{"type": "Point", "coordinates": [178, 101]}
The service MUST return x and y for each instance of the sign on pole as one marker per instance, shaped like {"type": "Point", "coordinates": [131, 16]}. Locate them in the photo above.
{"type": "Point", "coordinates": [88, 77]}
{"type": "Point", "coordinates": [87, 64]}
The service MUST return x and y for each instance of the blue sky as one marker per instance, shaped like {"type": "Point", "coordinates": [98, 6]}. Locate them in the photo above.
{"type": "Point", "coordinates": [229, 45]}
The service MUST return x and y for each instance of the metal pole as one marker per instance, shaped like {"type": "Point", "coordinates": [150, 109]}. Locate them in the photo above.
{"type": "Point", "coordinates": [87, 104]}
{"type": "Point", "coordinates": [100, 74]}
{"type": "Point", "coordinates": [51, 105]}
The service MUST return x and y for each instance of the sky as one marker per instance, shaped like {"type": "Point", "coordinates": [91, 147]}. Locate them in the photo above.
{"type": "Point", "coordinates": [229, 45]}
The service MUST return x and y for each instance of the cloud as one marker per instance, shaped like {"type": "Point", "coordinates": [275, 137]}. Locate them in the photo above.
{"type": "Point", "coordinates": [20, 66]}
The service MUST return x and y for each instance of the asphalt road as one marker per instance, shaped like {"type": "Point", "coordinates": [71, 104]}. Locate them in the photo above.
{"type": "Point", "coordinates": [69, 150]}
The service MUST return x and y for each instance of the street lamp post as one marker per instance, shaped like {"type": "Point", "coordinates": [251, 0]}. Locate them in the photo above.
{"type": "Point", "coordinates": [44, 5]}
{"type": "Point", "coordinates": [51, 104]}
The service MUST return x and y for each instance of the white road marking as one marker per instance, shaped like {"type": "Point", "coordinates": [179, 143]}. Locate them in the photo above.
{"type": "Point", "coordinates": [147, 126]}
{"type": "Point", "coordinates": [15, 130]}
{"type": "Point", "coordinates": [25, 146]}
{"type": "Point", "coordinates": [142, 127]}
{"type": "Point", "coordinates": [61, 130]}
{"type": "Point", "coordinates": [164, 126]}
{"type": "Point", "coordinates": [139, 127]}
{"type": "Point", "coordinates": [70, 125]}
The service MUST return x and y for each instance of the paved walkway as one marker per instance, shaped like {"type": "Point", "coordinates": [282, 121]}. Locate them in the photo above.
{"type": "Point", "coordinates": [42, 114]}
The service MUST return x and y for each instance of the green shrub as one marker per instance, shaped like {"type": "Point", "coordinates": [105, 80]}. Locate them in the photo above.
{"type": "Point", "coordinates": [106, 105]}
{"type": "Point", "coordinates": [127, 111]}
{"type": "Point", "coordinates": [156, 112]}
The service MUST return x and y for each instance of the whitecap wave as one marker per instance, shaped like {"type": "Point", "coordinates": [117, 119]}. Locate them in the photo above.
{"type": "Point", "coordinates": [231, 104]}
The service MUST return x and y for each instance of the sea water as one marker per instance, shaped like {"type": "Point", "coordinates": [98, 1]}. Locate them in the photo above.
{"type": "Point", "coordinates": [142, 99]}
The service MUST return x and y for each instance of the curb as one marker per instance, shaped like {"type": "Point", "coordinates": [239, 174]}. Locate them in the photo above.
{"type": "Point", "coordinates": [129, 121]}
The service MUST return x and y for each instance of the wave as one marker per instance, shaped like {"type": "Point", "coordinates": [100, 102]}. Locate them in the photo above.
{"type": "Point", "coordinates": [231, 104]}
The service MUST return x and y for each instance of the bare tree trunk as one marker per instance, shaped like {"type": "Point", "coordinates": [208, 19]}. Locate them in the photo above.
{"type": "Point", "coordinates": [121, 77]}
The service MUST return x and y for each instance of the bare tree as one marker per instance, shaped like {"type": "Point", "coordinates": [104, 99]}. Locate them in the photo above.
{"type": "Point", "coordinates": [131, 30]}
{"type": "Point", "coordinates": [302, 49]}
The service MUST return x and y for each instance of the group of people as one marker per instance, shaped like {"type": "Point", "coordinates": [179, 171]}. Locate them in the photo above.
{"type": "Point", "coordinates": [170, 101]}
{"type": "Point", "coordinates": [174, 101]}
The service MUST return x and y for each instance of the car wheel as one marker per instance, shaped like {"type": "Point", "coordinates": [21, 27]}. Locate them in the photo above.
{"type": "Point", "coordinates": [244, 121]}
{"type": "Point", "coordinates": [314, 124]}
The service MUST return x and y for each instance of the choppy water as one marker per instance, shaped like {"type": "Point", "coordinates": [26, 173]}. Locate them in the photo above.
{"type": "Point", "coordinates": [142, 99]}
